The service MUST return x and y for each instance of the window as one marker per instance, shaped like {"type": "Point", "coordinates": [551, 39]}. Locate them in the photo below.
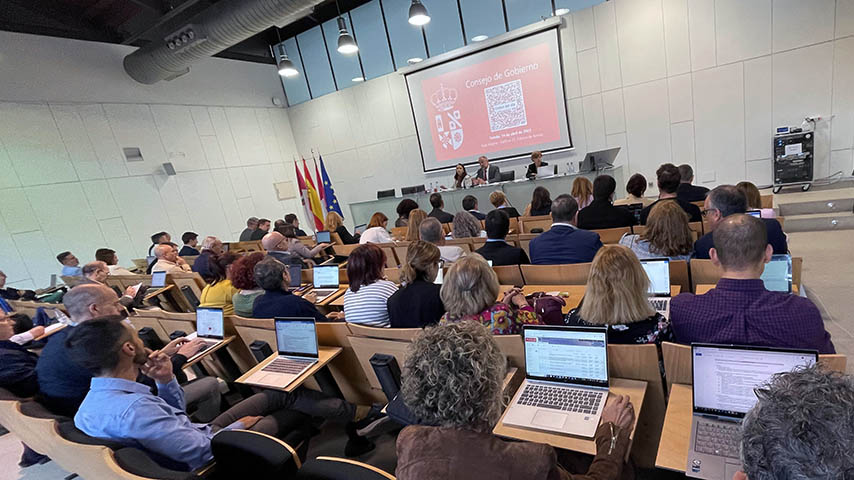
{"type": "Point", "coordinates": [407, 40]}
{"type": "Point", "coordinates": [369, 32]}
{"type": "Point", "coordinates": [345, 67]}
{"type": "Point", "coordinates": [482, 18]}
{"type": "Point", "coordinates": [526, 12]}
{"type": "Point", "coordinates": [296, 87]}
{"type": "Point", "coordinates": [316, 62]}
{"type": "Point", "coordinates": [444, 32]}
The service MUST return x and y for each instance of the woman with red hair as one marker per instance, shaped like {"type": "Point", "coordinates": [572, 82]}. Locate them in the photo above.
{"type": "Point", "coordinates": [242, 277]}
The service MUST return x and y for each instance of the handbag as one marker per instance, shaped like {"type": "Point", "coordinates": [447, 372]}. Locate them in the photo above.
{"type": "Point", "coordinates": [548, 307]}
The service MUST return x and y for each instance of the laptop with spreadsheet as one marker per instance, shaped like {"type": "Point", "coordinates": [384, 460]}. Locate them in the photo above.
{"type": "Point", "coordinates": [296, 341]}
{"type": "Point", "coordinates": [778, 274]}
{"type": "Point", "coordinates": [325, 279]}
{"type": "Point", "coordinates": [209, 327]}
{"type": "Point", "coordinates": [566, 380]}
{"type": "Point", "coordinates": [158, 279]}
{"type": "Point", "coordinates": [658, 271]}
{"type": "Point", "coordinates": [724, 378]}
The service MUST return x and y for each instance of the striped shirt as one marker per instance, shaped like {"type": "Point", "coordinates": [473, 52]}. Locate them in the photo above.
{"type": "Point", "coordinates": [368, 306]}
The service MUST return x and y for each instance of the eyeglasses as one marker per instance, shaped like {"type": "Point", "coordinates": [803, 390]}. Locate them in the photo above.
{"type": "Point", "coordinates": [707, 211]}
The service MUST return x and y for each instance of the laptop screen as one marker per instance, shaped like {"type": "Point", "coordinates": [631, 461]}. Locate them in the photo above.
{"type": "Point", "coordinates": [325, 277]}
{"type": "Point", "coordinates": [778, 274]}
{"type": "Point", "coordinates": [567, 354]}
{"type": "Point", "coordinates": [755, 213]}
{"type": "Point", "coordinates": [296, 337]}
{"type": "Point", "coordinates": [295, 272]}
{"type": "Point", "coordinates": [440, 274]}
{"type": "Point", "coordinates": [725, 376]}
{"type": "Point", "coordinates": [323, 237]}
{"type": "Point", "coordinates": [158, 279]}
{"type": "Point", "coordinates": [658, 271]}
{"type": "Point", "coordinates": [209, 323]}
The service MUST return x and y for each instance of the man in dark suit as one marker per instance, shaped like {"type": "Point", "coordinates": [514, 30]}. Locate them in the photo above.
{"type": "Point", "coordinates": [437, 212]}
{"type": "Point", "coordinates": [687, 192]}
{"type": "Point", "coordinates": [564, 242]}
{"type": "Point", "coordinates": [470, 205]}
{"type": "Point", "coordinates": [496, 248]}
{"type": "Point", "coordinates": [486, 174]}
{"type": "Point", "coordinates": [601, 213]}
{"type": "Point", "coordinates": [668, 183]}
{"type": "Point", "coordinates": [726, 200]}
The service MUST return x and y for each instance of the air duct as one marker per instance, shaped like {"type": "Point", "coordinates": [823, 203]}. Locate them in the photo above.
{"type": "Point", "coordinates": [224, 24]}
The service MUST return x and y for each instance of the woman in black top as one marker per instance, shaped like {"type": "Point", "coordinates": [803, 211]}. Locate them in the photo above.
{"type": "Point", "coordinates": [417, 303]}
{"type": "Point", "coordinates": [403, 208]}
{"type": "Point", "coordinates": [334, 223]}
{"type": "Point", "coordinates": [541, 202]}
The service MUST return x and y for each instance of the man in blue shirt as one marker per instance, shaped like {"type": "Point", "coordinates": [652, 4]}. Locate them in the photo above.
{"type": "Point", "coordinates": [70, 265]}
{"type": "Point", "coordinates": [564, 242]}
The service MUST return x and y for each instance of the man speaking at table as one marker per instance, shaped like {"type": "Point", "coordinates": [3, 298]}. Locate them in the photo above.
{"type": "Point", "coordinates": [486, 174]}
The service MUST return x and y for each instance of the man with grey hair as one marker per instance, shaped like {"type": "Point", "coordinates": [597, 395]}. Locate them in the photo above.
{"type": "Point", "coordinates": [211, 247]}
{"type": "Point", "coordinates": [564, 242]}
{"type": "Point", "coordinates": [97, 272]}
{"type": "Point", "coordinates": [687, 192]}
{"type": "Point", "coordinates": [278, 301]}
{"type": "Point", "coordinates": [168, 260]}
{"type": "Point", "coordinates": [431, 231]}
{"type": "Point", "coordinates": [802, 427]}
{"type": "Point", "coordinates": [251, 226]}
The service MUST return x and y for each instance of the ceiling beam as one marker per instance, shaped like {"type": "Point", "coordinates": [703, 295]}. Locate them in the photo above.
{"type": "Point", "coordinates": [155, 6]}
{"type": "Point", "coordinates": [160, 21]}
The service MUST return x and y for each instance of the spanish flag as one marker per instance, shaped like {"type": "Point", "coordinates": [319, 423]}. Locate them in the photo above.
{"type": "Point", "coordinates": [313, 199]}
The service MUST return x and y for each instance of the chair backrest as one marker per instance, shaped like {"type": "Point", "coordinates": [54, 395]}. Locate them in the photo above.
{"type": "Point", "coordinates": [447, 228]}
{"type": "Point", "coordinates": [766, 201]}
{"type": "Point", "coordinates": [404, 334]}
{"type": "Point", "coordinates": [464, 243]}
{"type": "Point", "coordinates": [345, 368]}
{"type": "Point", "coordinates": [336, 238]}
{"type": "Point", "coordinates": [366, 347]}
{"type": "Point", "coordinates": [344, 250]}
{"type": "Point", "coordinates": [677, 363]}
{"type": "Point", "coordinates": [698, 227]}
{"type": "Point", "coordinates": [509, 275]}
{"type": "Point", "coordinates": [513, 348]}
{"type": "Point", "coordinates": [150, 319]}
{"type": "Point", "coordinates": [610, 236]}
{"type": "Point", "coordinates": [782, 221]}
{"type": "Point", "coordinates": [836, 362]}
{"type": "Point", "coordinates": [334, 468]}
{"type": "Point", "coordinates": [393, 274]}
{"type": "Point", "coordinates": [399, 233]}
{"type": "Point", "coordinates": [797, 270]}
{"type": "Point", "coordinates": [704, 272]}
{"type": "Point", "coordinates": [700, 204]}
{"type": "Point", "coordinates": [543, 222]}
{"type": "Point", "coordinates": [570, 274]}
{"type": "Point", "coordinates": [391, 260]}
{"type": "Point", "coordinates": [248, 454]}
{"type": "Point", "coordinates": [71, 281]}
{"type": "Point", "coordinates": [679, 275]}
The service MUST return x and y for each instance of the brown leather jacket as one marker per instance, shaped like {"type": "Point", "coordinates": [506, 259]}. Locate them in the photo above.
{"type": "Point", "coordinates": [427, 453]}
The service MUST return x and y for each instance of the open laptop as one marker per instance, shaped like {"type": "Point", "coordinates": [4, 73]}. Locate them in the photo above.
{"type": "Point", "coordinates": [725, 377]}
{"type": "Point", "coordinates": [295, 272]}
{"type": "Point", "coordinates": [658, 271]}
{"type": "Point", "coordinates": [158, 279]}
{"type": "Point", "coordinates": [547, 171]}
{"type": "Point", "coordinates": [325, 281]}
{"type": "Point", "coordinates": [754, 213]}
{"type": "Point", "coordinates": [566, 380]}
{"type": "Point", "coordinates": [296, 341]}
{"type": "Point", "coordinates": [209, 327]}
{"type": "Point", "coordinates": [323, 237]}
{"type": "Point", "coordinates": [778, 274]}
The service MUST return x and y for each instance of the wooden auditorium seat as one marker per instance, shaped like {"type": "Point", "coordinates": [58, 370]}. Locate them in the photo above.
{"type": "Point", "coordinates": [610, 236]}
{"type": "Point", "coordinates": [569, 274]}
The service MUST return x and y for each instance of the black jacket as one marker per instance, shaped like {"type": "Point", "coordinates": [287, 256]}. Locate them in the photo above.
{"type": "Point", "coordinates": [441, 215]}
{"type": "Point", "coordinates": [345, 236]}
{"type": "Point", "coordinates": [416, 305]}
{"type": "Point", "coordinates": [18, 369]}
{"type": "Point", "coordinates": [502, 253]}
{"type": "Point", "coordinates": [532, 169]}
{"type": "Point", "coordinates": [691, 193]}
{"type": "Point", "coordinates": [478, 215]}
{"type": "Point", "coordinates": [692, 210]}
{"type": "Point", "coordinates": [279, 303]}
{"type": "Point", "coordinates": [510, 211]}
{"type": "Point", "coordinates": [776, 238]}
{"type": "Point", "coordinates": [601, 214]}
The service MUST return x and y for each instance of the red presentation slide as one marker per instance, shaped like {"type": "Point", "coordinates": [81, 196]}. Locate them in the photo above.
{"type": "Point", "coordinates": [498, 104]}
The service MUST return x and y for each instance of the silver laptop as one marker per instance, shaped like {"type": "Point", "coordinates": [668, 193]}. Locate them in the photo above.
{"type": "Point", "coordinates": [658, 271]}
{"type": "Point", "coordinates": [296, 341]}
{"type": "Point", "coordinates": [566, 380]}
{"type": "Point", "coordinates": [546, 171]}
{"type": "Point", "coordinates": [725, 377]}
{"type": "Point", "coordinates": [778, 274]}
{"type": "Point", "coordinates": [158, 279]}
{"type": "Point", "coordinates": [209, 327]}
{"type": "Point", "coordinates": [325, 280]}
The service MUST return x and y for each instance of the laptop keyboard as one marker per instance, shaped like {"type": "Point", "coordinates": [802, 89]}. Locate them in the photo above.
{"type": "Point", "coordinates": [660, 304]}
{"type": "Point", "coordinates": [561, 398]}
{"type": "Point", "coordinates": [325, 293]}
{"type": "Point", "coordinates": [287, 365]}
{"type": "Point", "coordinates": [717, 439]}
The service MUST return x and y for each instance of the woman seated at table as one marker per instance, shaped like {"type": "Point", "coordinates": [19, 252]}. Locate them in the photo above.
{"type": "Point", "coordinates": [277, 301]}
{"type": "Point", "coordinates": [454, 380]}
{"type": "Point", "coordinates": [616, 296]}
{"type": "Point", "coordinates": [243, 278]}
{"type": "Point", "coordinates": [754, 199]}
{"type": "Point", "coordinates": [469, 291]}
{"type": "Point", "coordinates": [413, 234]}
{"type": "Point", "coordinates": [499, 200]}
{"type": "Point", "coordinates": [366, 299]}
{"type": "Point", "coordinates": [466, 226]}
{"type": "Point", "coordinates": [541, 203]}
{"type": "Point", "coordinates": [299, 249]}
{"type": "Point", "coordinates": [582, 191]}
{"type": "Point", "coordinates": [403, 208]}
{"type": "Point", "coordinates": [667, 234]}
{"type": "Point", "coordinates": [461, 177]}
{"type": "Point", "coordinates": [219, 291]}
{"type": "Point", "coordinates": [635, 187]}
{"type": "Point", "coordinates": [334, 223]}
{"type": "Point", "coordinates": [377, 231]}
{"type": "Point", "coordinates": [417, 303]}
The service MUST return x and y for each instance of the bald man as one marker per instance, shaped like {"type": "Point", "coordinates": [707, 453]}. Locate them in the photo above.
{"type": "Point", "coordinates": [168, 260]}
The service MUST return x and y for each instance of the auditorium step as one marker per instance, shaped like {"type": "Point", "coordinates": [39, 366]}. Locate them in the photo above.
{"type": "Point", "coordinates": [819, 222]}
{"type": "Point", "coordinates": [823, 208]}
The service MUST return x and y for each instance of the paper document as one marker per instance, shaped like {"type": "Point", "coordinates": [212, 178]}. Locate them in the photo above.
{"type": "Point", "coordinates": [794, 149]}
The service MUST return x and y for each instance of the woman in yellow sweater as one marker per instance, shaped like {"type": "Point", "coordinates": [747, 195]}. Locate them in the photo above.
{"type": "Point", "coordinates": [219, 291]}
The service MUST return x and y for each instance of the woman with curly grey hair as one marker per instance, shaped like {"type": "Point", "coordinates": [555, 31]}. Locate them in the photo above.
{"type": "Point", "coordinates": [465, 226]}
{"type": "Point", "coordinates": [453, 380]}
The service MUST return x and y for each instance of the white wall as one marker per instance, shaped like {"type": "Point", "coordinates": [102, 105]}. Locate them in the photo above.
{"type": "Point", "coordinates": [66, 111]}
{"type": "Point", "coordinates": [685, 81]}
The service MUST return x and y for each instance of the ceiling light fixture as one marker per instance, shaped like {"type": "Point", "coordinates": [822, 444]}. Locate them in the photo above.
{"type": "Point", "coordinates": [418, 14]}
{"type": "Point", "coordinates": [358, 79]}
{"type": "Point", "coordinates": [561, 11]}
{"type": "Point", "coordinates": [283, 63]}
{"type": "Point", "coordinates": [346, 44]}
{"type": "Point", "coordinates": [479, 38]}
{"type": "Point", "coordinates": [414, 60]}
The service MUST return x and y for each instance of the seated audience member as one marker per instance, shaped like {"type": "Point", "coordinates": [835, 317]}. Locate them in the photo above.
{"type": "Point", "coordinates": [97, 272]}
{"type": "Point", "coordinates": [469, 291]}
{"type": "Point", "coordinates": [470, 205]}
{"type": "Point", "coordinates": [109, 257]}
{"type": "Point", "coordinates": [413, 233]}
{"type": "Point", "coordinates": [119, 409]}
{"type": "Point", "coordinates": [726, 200]}
{"type": "Point", "coordinates": [276, 246]}
{"type": "Point", "coordinates": [168, 260]}
{"type": "Point", "coordinates": [243, 278]}
{"type": "Point", "coordinates": [278, 224]}
{"type": "Point", "coordinates": [582, 192]}
{"type": "Point", "coordinates": [190, 241]}
{"type": "Point", "coordinates": [536, 162]}
{"type": "Point", "coordinates": [377, 230]}
{"type": "Point", "coordinates": [617, 296]}
{"type": "Point", "coordinates": [461, 365]}
{"type": "Point", "coordinates": [211, 247]}
{"type": "Point", "coordinates": [299, 249]}
{"type": "Point", "coordinates": [754, 199]}
{"type": "Point", "coordinates": [219, 291]}
{"type": "Point", "coordinates": [465, 226]}
{"type": "Point", "coordinates": [263, 229]}
{"type": "Point", "coordinates": [438, 205]}
{"type": "Point", "coordinates": [499, 201]}
{"type": "Point", "coordinates": [17, 364]}
{"type": "Point", "coordinates": [461, 177]}
{"type": "Point", "coordinates": [635, 188]}
{"type": "Point", "coordinates": [251, 226]}
{"type": "Point", "coordinates": [366, 300]}
{"type": "Point", "coordinates": [564, 242]}
{"type": "Point", "coordinates": [601, 213]}
{"type": "Point", "coordinates": [417, 303]}
{"type": "Point", "coordinates": [277, 300]}
{"type": "Point", "coordinates": [334, 223]}
{"type": "Point", "coordinates": [403, 209]}
{"type": "Point", "coordinates": [10, 293]}
{"type": "Point", "coordinates": [800, 427]}
{"type": "Point", "coordinates": [496, 248]}
{"type": "Point", "coordinates": [667, 234]}
{"type": "Point", "coordinates": [157, 239]}
{"type": "Point", "coordinates": [740, 310]}
{"type": "Point", "coordinates": [292, 219]}
{"type": "Point", "coordinates": [668, 177]}
{"type": "Point", "coordinates": [431, 231]}
{"type": "Point", "coordinates": [687, 192]}
{"type": "Point", "coordinates": [70, 265]}
{"type": "Point", "coordinates": [541, 203]}
{"type": "Point", "coordinates": [486, 173]}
